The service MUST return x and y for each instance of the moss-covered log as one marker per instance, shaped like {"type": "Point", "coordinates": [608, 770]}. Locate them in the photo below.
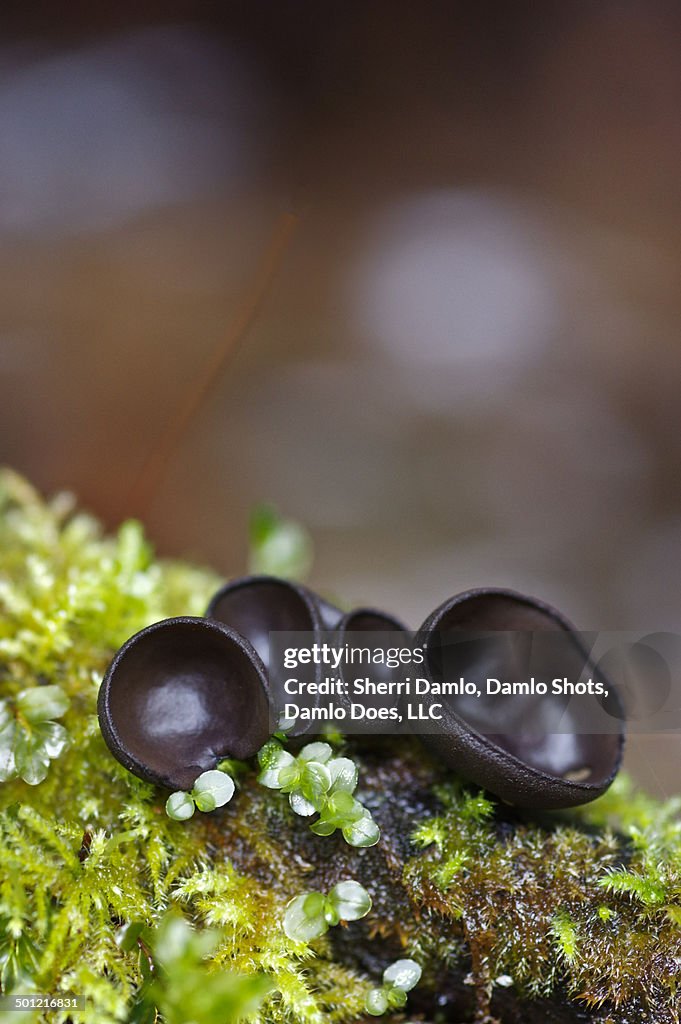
{"type": "Point", "coordinates": [568, 917]}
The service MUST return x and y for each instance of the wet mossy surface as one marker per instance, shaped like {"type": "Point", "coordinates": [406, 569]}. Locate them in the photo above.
{"type": "Point", "coordinates": [570, 916]}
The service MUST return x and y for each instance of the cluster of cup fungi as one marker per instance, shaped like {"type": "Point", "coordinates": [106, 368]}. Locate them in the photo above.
{"type": "Point", "coordinates": [186, 692]}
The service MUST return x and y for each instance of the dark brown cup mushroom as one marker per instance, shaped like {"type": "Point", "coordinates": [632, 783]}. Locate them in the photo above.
{"type": "Point", "coordinates": [533, 751]}
{"type": "Point", "coordinates": [330, 615]}
{"type": "Point", "coordinates": [381, 626]}
{"type": "Point", "coordinates": [180, 695]}
{"type": "Point", "coordinates": [256, 606]}
{"type": "Point", "coordinates": [369, 620]}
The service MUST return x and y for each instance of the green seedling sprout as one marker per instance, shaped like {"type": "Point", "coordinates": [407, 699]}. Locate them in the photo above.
{"type": "Point", "coordinates": [318, 782]}
{"type": "Point", "coordinates": [398, 979]}
{"type": "Point", "coordinates": [29, 736]}
{"type": "Point", "coordinates": [212, 789]}
{"type": "Point", "coordinates": [312, 913]}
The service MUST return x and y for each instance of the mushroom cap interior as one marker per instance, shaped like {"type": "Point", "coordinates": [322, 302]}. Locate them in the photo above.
{"type": "Point", "coordinates": [179, 696]}
{"type": "Point", "coordinates": [369, 620]}
{"type": "Point", "coordinates": [257, 607]}
{"type": "Point", "coordinates": [551, 733]}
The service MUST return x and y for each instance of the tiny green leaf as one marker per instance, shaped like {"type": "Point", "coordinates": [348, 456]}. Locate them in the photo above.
{"type": "Point", "coordinates": [179, 806]}
{"type": "Point", "coordinates": [268, 753]}
{"type": "Point", "coordinates": [53, 737]}
{"type": "Point", "coordinates": [6, 718]}
{"type": "Point", "coordinates": [284, 724]}
{"type": "Point", "coordinates": [331, 915]}
{"type": "Point", "coordinates": [315, 783]}
{"type": "Point", "coordinates": [397, 997]}
{"type": "Point", "coordinates": [40, 703]}
{"type": "Point", "coordinates": [264, 521]}
{"type": "Point", "coordinates": [361, 833]}
{"type": "Point", "coordinates": [302, 921]}
{"type": "Point", "coordinates": [323, 827]}
{"type": "Point", "coordinates": [32, 760]}
{"type": "Point", "coordinates": [8, 768]}
{"type": "Point", "coordinates": [279, 547]}
{"type": "Point", "coordinates": [289, 776]}
{"type": "Point", "coordinates": [231, 766]}
{"type": "Point", "coordinates": [342, 808]}
{"type": "Point", "coordinates": [376, 1002]}
{"type": "Point", "coordinates": [344, 775]}
{"type": "Point", "coordinates": [320, 752]}
{"type": "Point", "coordinates": [272, 758]}
{"type": "Point", "coordinates": [300, 805]}
{"type": "Point", "coordinates": [212, 789]}
{"type": "Point", "coordinates": [403, 974]}
{"type": "Point", "coordinates": [7, 736]}
{"type": "Point", "coordinates": [351, 900]}
{"type": "Point", "coordinates": [314, 904]}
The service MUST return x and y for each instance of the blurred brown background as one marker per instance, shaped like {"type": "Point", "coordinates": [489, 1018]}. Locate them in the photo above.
{"type": "Point", "coordinates": [467, 371]}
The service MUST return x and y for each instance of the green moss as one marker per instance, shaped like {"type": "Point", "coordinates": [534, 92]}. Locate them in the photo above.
{"type": "Point", "coordinates": [586, 904]}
